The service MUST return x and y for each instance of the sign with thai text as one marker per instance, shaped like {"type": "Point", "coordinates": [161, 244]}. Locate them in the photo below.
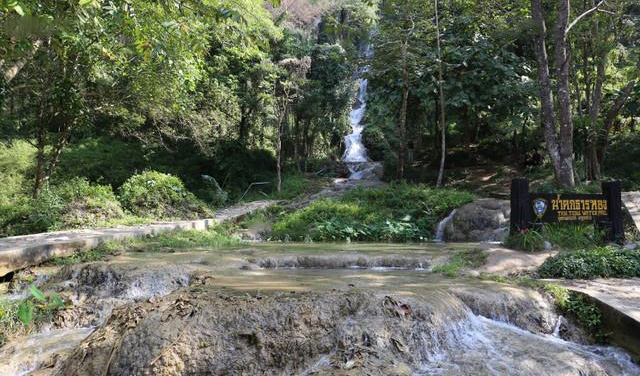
{"type": "Point", "coordinates": [547, 208]}
{"type": "Point", "coordinates": [533, 209]}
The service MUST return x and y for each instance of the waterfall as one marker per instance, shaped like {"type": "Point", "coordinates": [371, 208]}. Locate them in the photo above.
{"type": "Point", "coordinates": [443, 225]}
{"type": "Point", "coordinates": [355, 155]}
{"type": "Point", "coordinates": [355, 151]}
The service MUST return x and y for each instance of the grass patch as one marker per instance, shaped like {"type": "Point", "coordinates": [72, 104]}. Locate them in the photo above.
{"type": "Point", "coordinates": [220, 236]}
{"type": "Point", "coordinates": [399, 212]}
{"type": "Point", "coordinates": [215, 237]}
{"type": "Point", "coordinates": [472, 258]}
{"type": "Point", "coordinates": [10, 325]}
{"type": "Point", "coordinates": [599, 262]}
{"type": "Point", "coordinates": [26, 316]}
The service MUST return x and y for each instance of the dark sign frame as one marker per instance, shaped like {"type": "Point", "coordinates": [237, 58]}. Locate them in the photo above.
{"type": "Point", "coordinates": [533, 209]}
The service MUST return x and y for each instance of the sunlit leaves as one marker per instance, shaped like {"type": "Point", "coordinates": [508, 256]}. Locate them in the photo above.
{"type": "Point", "coordinates": [92, 3]}
{"type": "Point", "coordinates": [11, 5]}
{"type": "Point", "coordinates": [25, 312]}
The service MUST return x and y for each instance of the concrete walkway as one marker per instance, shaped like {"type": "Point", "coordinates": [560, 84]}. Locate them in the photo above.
{"type": "Point", "coordinates": [632, 201]}
{"type": "Point", "coordinates": [17, 252]}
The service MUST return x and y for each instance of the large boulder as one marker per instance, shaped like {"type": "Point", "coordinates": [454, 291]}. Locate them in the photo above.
{"type": "Point", "coordinates": [485, 219]}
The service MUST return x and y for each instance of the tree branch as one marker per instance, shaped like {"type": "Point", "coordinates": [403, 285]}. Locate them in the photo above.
{"type": "Point", "coordinates": [13, 71]}
{"type": "Point", "coordinates": [583, 15]}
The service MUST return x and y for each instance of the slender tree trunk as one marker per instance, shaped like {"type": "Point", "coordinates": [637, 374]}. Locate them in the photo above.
{"type": "Point", "coordinates": [443, 126]}
{"type": "Point", "coordinates": [57, 151]}
{"type": "Point", "coordinates": [243, 129]}
{"type": "Point", "coordinates": [40, 159]}
{"type": "Point", "coordinates": [593, 161]}
{"type": "Point", "coordinates": [402, 123]}
{"type": "Point", "coordinates": [279, 159]}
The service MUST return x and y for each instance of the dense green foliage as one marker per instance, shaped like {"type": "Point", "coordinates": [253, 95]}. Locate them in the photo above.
{"type": "Point", "coordinates": [397, 213]}
{"type": "Point", "coordinates": [222, 94]}
{"type": "Point", "coordinates": [623, 160]}
{"type": "Point", "coordinates": [154, 194]}
{"type": "Point", "coordinates": [605, 262]}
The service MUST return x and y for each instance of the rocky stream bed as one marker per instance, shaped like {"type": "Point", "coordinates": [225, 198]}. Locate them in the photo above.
{"type": "Point", "coordinates": [300, 310]}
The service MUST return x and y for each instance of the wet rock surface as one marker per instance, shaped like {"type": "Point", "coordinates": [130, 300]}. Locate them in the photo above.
{"type": "Point", "coordinates": [336, 333]}
{"type": "Point", "coordinates": [96, 288]}
{"type": "Point", "coordinates": [343, 262]}
{"type": "Point", "coordinates": [481, 220]}
{"type": "Point", "coordinates": [305, 309]}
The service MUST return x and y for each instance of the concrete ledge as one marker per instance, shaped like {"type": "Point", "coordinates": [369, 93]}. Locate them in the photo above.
{"type": "Point", "coordinates": [18, 252]}
{"type": "Point", "coordinates": [619, 302]}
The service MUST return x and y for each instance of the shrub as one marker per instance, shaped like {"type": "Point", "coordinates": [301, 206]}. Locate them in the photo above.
{"type": "Point", "coordinates": [603, 262]}
{"type": "Point", "coordinates": [72, 204]}
{"type": "Point", "coordinates": [579, 307]}
{"type": "Point", "coordinates": [293, 186]}
{"type": "Point", "coordinates": [154, 194]}
{"type": "Point", "coordinates": [396, 213]}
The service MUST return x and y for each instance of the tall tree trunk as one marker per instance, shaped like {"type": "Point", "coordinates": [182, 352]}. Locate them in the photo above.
{"type": "Point", "coordinates": [57, 151]}
{"type": "Point", "coordinates": [443, 126]}
{"type": "Point", "coordinates": [593, 160]}
{"type": "Point", "coordinates": [566, 176]}
{"type": "Point", "coordinates": [557, 149]}
{"type": "Point", "coordinates": [546, 95]}
{"type": "Point", "coordinates": [402, 123]}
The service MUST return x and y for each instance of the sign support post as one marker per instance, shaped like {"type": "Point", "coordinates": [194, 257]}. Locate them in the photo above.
{"type": "Point", "coordinates": [519, 204]}
{"type": "Point", "coordinates": [612, 191]}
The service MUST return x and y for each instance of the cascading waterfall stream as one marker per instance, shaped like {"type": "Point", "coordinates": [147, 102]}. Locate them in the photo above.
{"type": "Point", "coordinates": [355, 150]}
{"type": "Point", "coordinates": [355, 156]}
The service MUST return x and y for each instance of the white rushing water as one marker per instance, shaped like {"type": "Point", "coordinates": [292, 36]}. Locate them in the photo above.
{"type": "Point", "coordinates": [485, 347]}
{"type": "Point", "coordinates": [355, 156]}
{"type": "Point", "coordinates": [443, 225]}
{"type": "Point", "coordinates": [355, 150]}
{"type": "Point", "coordinates": [23, 357]}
